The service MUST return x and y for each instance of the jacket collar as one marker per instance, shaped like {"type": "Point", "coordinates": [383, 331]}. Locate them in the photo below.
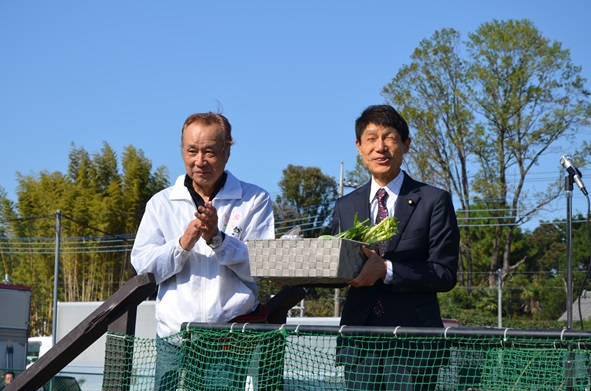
{"type": "Point", "coordinates": [231, 189]}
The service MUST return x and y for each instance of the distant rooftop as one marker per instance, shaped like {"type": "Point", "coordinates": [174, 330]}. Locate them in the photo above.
{"type": "Point", "coordinates": [585, 308]}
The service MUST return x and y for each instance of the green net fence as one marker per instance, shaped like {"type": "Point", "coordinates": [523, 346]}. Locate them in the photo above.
{"type": "Point", "coordinates": [273, 357]}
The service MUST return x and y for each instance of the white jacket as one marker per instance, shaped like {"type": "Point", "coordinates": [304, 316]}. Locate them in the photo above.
{"type": "Point", "coordinates": [202, 285]}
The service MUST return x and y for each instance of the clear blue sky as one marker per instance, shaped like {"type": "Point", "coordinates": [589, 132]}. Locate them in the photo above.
{"type": "Point", "coordinates": [291, 76]}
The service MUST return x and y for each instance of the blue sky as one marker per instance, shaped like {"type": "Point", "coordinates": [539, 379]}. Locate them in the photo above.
{"type": "Point", "coordinates": [291, 76]}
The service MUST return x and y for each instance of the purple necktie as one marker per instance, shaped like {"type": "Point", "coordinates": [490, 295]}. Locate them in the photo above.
{"type": "Point", "coordinates": [382, 195]}
{"type": "Point", "coordinates": [382, 214]}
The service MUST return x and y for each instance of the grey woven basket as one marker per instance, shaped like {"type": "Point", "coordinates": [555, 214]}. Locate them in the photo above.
{"type": "Point", "coordinates": [305, 261]}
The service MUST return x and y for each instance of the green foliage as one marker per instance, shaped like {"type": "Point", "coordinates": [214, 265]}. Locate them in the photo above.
{"type": "Point", "coordinates": [366, 232]}
{"type": "Point", "coordinates": [485, 111]}
{"type": "Point", "coordinates": [267, 290]}
{"type": "Point", "coordinates": [306, 199]}
{"type": "Point", "coordinates": [320, 302]}
{"type": "Point", "coordinates": [94, 200]}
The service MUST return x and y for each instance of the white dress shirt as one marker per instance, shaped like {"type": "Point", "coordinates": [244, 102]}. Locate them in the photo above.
{"type": "Point", "coordinates": [393, 189]}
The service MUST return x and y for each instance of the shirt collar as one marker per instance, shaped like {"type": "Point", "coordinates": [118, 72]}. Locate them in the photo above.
{"type": "Point", "coordinates": [392, 188]}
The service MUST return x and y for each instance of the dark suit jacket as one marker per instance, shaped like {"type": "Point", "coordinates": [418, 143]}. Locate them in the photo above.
{"type": "Point", "coordinates": [424, 256]}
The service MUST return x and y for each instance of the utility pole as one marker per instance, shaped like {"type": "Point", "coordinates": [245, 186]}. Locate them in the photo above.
{"type": "Point", "coordinates": [499, 298]}
{"type": "Point", "coordinates": [337, 291]}
{"type": "Point", "coordinates": [58, 228]}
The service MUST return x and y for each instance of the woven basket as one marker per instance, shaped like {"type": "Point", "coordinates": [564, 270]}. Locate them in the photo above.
{"type": "Point", "coordinates": [305, 261]}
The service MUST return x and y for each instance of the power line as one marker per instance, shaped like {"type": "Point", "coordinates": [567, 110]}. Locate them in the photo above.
{"type": "Point", "coordinates": [122, 243]}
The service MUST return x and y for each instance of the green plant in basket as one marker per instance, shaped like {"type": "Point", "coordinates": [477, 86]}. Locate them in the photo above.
{"type": "Point", "coordinates": [370, 234]}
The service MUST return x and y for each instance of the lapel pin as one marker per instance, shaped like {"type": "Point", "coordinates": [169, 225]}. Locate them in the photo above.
{"type": "Point", "coordinates": [411, 202]}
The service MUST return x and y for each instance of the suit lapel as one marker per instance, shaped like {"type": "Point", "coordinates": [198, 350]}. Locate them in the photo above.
{"type": "Point", "coordinates": [406, 203]}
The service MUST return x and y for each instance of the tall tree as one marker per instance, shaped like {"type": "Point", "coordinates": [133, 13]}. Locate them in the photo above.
{"type": "Point", "coordinates": [499, 102]}
{"type": "Point", "coordinates": [99, 206]}
{"type": "Point", "coordinates": [529, 95]}
{"type": "Point", "coordinates": [306, 200]}
{"type": "Point", "coordinates": [8, 214]}
{"type": "Point", "coordinates": [431, 93]}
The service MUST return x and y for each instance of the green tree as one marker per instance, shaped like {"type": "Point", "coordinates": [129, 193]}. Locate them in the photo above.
{"type": "Point", "coordinates": [139, 184]}
{"type": "Point", "coordinates": [306, 200]}
{"type": "Point", "coordinates": [497, 102]}
{"type": "Point", "coordinates": [98, 206]}
{"type": "Point", "coordinates": [529, 95]}
{"type": "Point", "coordinates": [7, 211]}
{"type": "Point", "coordinates": [432, 94]}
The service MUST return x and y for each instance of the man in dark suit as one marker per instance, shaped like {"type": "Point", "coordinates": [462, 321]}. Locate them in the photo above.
{"type": "Point", "coordinates": [398, 283]}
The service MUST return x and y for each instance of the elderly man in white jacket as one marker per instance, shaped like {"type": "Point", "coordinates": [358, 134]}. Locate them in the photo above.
{"type": "Point", "coordinates": [192, 235]}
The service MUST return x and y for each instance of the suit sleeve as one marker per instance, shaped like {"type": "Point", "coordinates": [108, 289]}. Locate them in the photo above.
{"type": "Point", "coordinates": [344, 213]}
{"type": "Point", "coordinates": [426, 259]}
{"type": "Point", "coordinates": [336, 220]}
